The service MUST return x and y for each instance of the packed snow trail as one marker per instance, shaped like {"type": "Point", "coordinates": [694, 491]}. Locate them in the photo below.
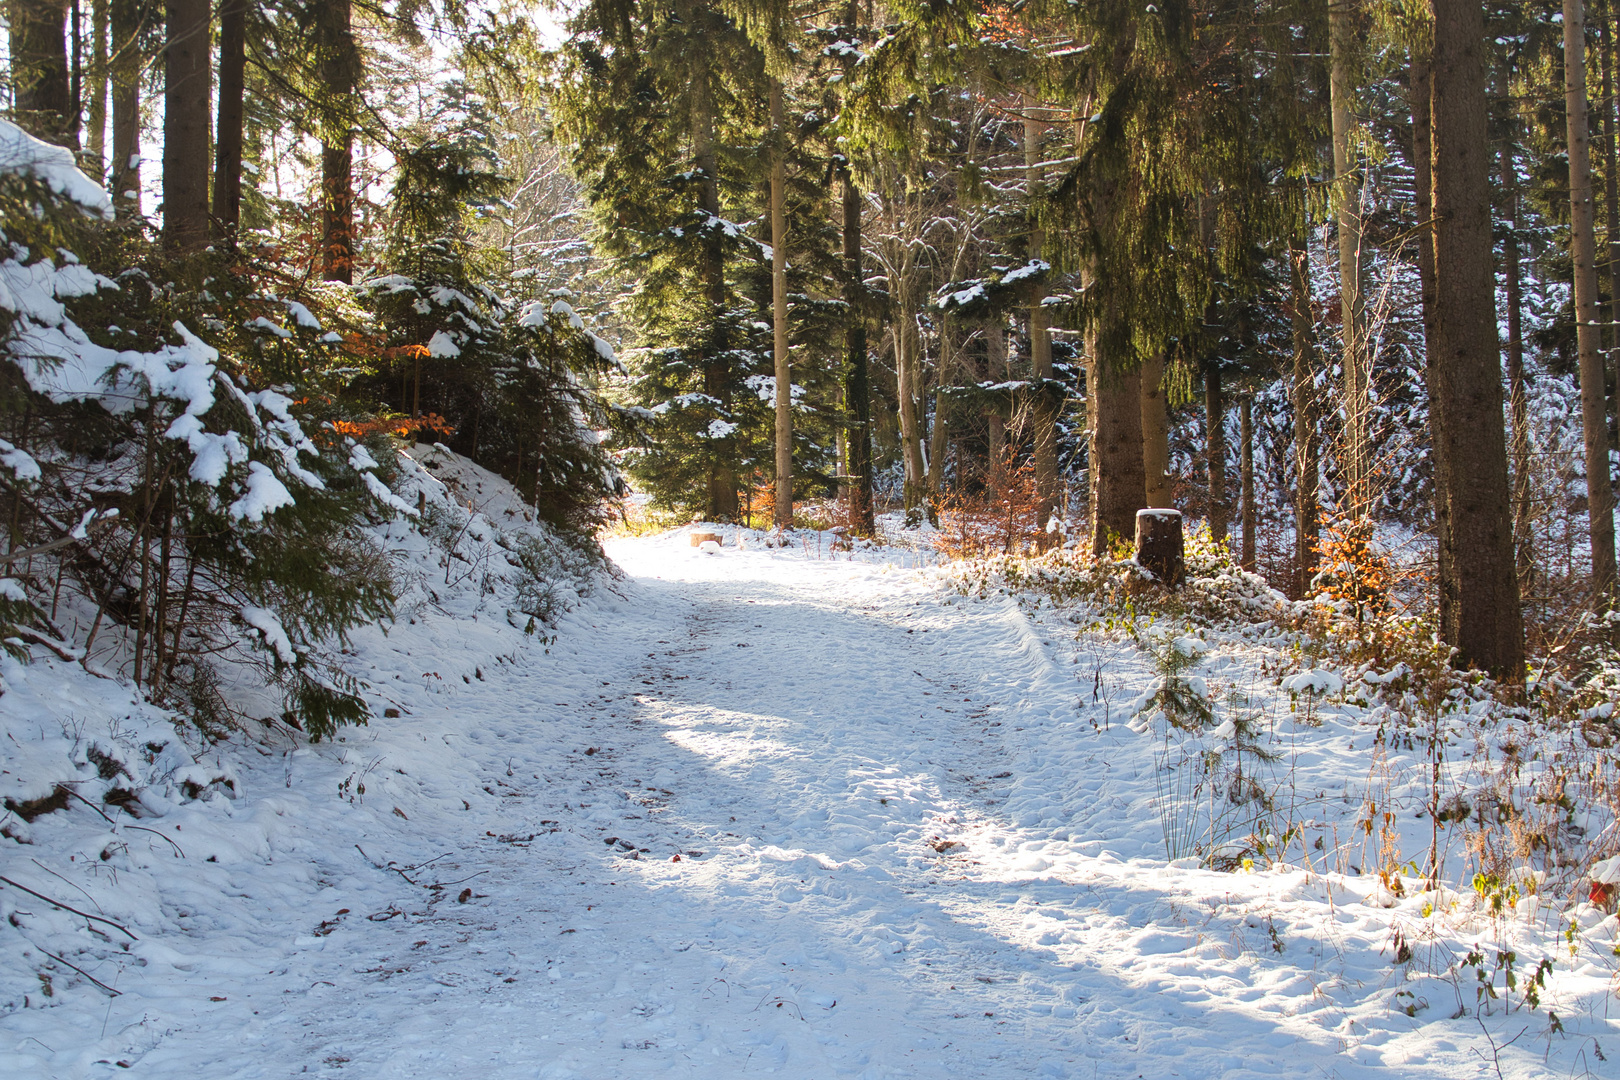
{"type": "Point", "coordinates": [757, 816]}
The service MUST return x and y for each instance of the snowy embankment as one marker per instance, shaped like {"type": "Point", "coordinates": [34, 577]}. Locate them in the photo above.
{"type": "Point", "coordinates": [753, 811]}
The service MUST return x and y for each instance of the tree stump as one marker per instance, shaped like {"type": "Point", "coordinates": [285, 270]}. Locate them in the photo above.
{"type": "Point", "coordinates": [1160, 549]}
{"type": "Point", "coordinates": [698, 538]}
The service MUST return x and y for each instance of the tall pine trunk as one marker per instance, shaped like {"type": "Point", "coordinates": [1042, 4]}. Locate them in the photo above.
{"type": "Point", "coordinates": [721, 501]}
{"type": "Point", "coordinates": [41, 91]}
{"type": "Point", "coordinates": [1215, 452]}
{"type": "Point", "coordinates": [228, 141]}
{"type": "Point", "coordinates": [1490, 632]}
{"type": "Point", "coordinates": [1357, 449]}
{"type": "Point", "coordinates": [1114, 402]}
{"type": "Point", "coordinates": [995, 358]}
{"type": "Point", "coordinates": [1583, 243]}
{"type": "Point", "coordinates": [96, 107]}
{"type": "Point", "coordinates": [1518, 403]}
{"type": "Point", "coordinates": [1155, 434]}
{"type": "Point", "coordinates": [124, 68]}
{"type": "Point", "coordinates": [940, 433]}
{"type": "Point", "coordinates": [1044, 412]}
{"type": "Point", "coordinates": [1246, 434]}
{"type": "Point", "coordinates": [1307, 434]}
{"type": "Point", "coordinates": [187, 89]}
{"type": "Point", "coordinates": [779, 316]}
{"type": "Point", "coordinates": [857, 379]}
{"type": "Point", "coordinates": [908, 372]}
{"type": "Point", "coordinates": [1611, 190]}
{"type": "Point", "coordinates": [340, 74]}
{"type": "Point", "coordinates": [1421, 91]}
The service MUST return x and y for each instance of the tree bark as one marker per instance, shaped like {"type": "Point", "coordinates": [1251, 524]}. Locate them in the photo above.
{"type": "Point", "coordinates": [1342, 18]}
{"type": "Point", "coordinates": [1215, 452]}
{"type": "Point", "coordinates": [1044, 413]}
{"type": "Point", "coordinates": [1594, 406]}
{"type": "Point", "coordinates": [857, 379]}
{"type": "Point", "coordinates": [779, 317]}
{"type": "Point", "coordinates": [124, 68]}
{"type": "Point", "coordinates": [908, 371]}
{"type": "Point", "coordinates": [1420, 91]}
{"type": "Point", "coordinates": [1611, 186]}
{"type": "Point", "coordinates": [340, 72]}
{"type": "Point", "coordinates": [1307, 437]}
{"type": "Point", "coordinates": [1155, 434]}
{"type": "Point", "coordinates": [1161, 546]}
{"type": "Point", "coordinates": [1246, 429]}
{"type": "Point", "coordinates": [228, 142]}
{"type": "Point", "coordinates": [939, 433]}
{"type": "Point", "coordinates": [1518, 404]}
{"type": "Point", "coordinates": [96, 112]}
{"type": "Point", "coordinates": [1490, 631]}
{"type": "Point", "coordinates": [995, 351]}
{"type": "Point", "coordinates": [187, 90]}
{"type": "Point", "coordinates": [721, 500]}
{"type": "Point", "coordinates": [1118, 483]}
{"type": "Point", "coordinates": [42, 95]}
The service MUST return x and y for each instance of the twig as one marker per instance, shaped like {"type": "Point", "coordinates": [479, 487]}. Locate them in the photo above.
{"type": "Point", "coordinates": [90, 804]}
{"type": "Point", "coordinates": [154, 832]}
{"type": "Point", "coordinates": [458, 881]}
{"type": "Point", "coordinates": [66, 882]}
{"type": "Point", "coordinates": [65, 651]}
{"type": "Point", "coordinates": [86, 974]}
{"type": "Point", "coordinates": [64, 907]}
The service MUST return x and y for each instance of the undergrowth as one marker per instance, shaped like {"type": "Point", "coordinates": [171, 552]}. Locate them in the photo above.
{"type": "Point", "coordinates": [1514, 790]}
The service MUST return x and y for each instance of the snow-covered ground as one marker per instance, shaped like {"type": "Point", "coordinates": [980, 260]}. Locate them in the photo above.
{"type": "Point", "coordinates": [748, 812]}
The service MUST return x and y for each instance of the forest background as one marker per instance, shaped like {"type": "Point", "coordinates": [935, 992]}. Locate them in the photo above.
{"type": "Point", "coordinates": [1021, 270]}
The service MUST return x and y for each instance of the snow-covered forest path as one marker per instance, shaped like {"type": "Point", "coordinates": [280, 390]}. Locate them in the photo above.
{"type": "Point", "coordinates": [767, 813]}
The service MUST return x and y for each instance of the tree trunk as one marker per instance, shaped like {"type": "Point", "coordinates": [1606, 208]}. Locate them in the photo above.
{"type": "Point", "coordinates": [1246, 433]}
{"type": "Point", "coordinates": [41, 92]}
{"type": "Point", "coordinates": [1420, 91]}
{"type": "Point", "coordinates": [340, 73]}
{"type": "Point", "coordinates": [1583, 242]}
{"type": "Point", "coordinates": [124, 68]}
{"type": "Point", "coordinates": [1215, 452]}
{"type": "Point", "coordinates": [1343, 49]}
{"type": "Point", "coordinates": [1611, 176]}
{"type": "Point", "coordinates": [1117, 477]}
{"type": "Point", "coordinates": [721, 501]}
{"type": "Point", "coordinates": [779, 317]}
{"type": "Point", "coordinates": [96, 135]}
{"type": "Point", "coordinates": [228, 142]}
{"type": "Point", "coordinates": [1490, 627]}
{"type": "Point", "coordinates": [1307, 437]}
{"type": "Point", "coordinates": [995, 353]}
{"type": "Point", "coordinates": [857, 380]}
{"type": "Point", "coordinates": [1044, 413]}
{"type": "Point", "coordinates": [187, 89]}
{"type": "Point", "coordinates": [908, 370]}
{"type": "Point", "coordinates": [940, 433]}
{"type": "Point", "coordinates": [1155, 434]}
{"type": "Point", "coordinates": [1518, 404]}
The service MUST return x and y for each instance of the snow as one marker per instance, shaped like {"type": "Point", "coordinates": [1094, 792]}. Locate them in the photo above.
{"type": "Point", "coordinates": [758, 812]}
{"type": "Point", "coordinates": [442, 346]}
{"type": "Point", "coordinates": [23, 154]}
{"type": "Point", "coordinates": [271, 630]}
{"type": "Point", "coordinates": [265, 494]}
